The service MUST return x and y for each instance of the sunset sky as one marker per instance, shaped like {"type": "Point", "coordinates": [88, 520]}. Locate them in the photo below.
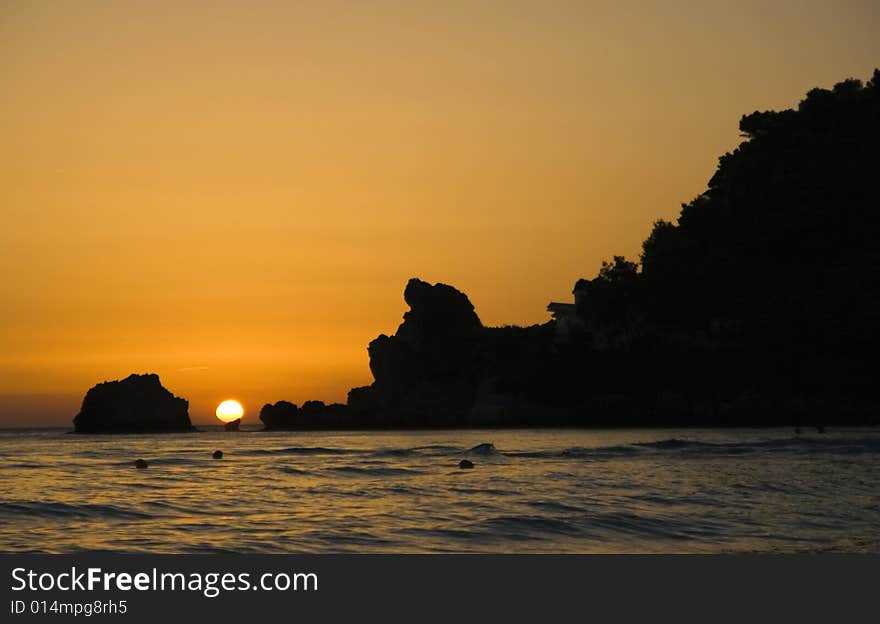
{"type": "Point", "coordinates": [233, 194]}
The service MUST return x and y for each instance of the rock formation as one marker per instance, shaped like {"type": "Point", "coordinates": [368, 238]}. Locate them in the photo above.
{"type": "Point", "coordinates": [232, 425]}
{"type": "Point", "coordinates": [136, 404]}
{"type": "Point", "coordinates": [312, 415]}
{"type": "Point", "coordinates": [425, 371]}
{"type": "Point", "coordinates": [441, 368]}
{"type": "Point", "coordinates": [281, 415]}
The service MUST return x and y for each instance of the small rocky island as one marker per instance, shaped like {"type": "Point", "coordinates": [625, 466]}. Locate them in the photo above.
{"type": "Point", "coordinates": [312, 415]}
{"type": "Point", "coordinates": [136, 404]}
{"type": "Point", "coordinates": [232, 425]}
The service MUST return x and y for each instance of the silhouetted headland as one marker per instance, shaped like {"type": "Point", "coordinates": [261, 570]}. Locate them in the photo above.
{"type": "Point", "coordinates": [136, 404]}
{"type": "Point", "coordinates": [758, 307]}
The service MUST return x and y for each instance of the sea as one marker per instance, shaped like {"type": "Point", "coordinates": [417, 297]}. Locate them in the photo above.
{"type": "Point", "coordinates": [529, 491]}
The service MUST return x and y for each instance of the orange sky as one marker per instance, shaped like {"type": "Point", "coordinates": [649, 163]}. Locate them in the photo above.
{"type": "Point", "coordinates": [233, 194]}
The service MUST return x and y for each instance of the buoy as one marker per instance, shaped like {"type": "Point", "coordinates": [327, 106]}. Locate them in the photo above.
{"type": "Point", "coordinates": [218, 455]}
{"type": "Point", "coordinates": [140, 464]}
{"type": "Point", "coordinates": [465, 464]}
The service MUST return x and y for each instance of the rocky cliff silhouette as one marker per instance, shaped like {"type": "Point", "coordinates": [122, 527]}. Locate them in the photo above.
{"type": "Point", "coordinates": [758, 307]}
{"type": "Point", "coordinates": [425, 371]}
{"type": "Point", "coordinates": [136, 404]}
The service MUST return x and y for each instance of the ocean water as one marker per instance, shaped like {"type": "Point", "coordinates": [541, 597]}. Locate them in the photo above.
{"type": "Point", "coordinates": [549, 491]}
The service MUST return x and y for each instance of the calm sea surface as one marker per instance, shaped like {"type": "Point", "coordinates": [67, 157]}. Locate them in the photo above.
{"type": "Point", "coordinates": [540, 491]}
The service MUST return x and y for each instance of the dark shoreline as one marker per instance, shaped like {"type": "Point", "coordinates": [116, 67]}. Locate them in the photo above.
{"type": "Point", "coordinates": [806, 429]}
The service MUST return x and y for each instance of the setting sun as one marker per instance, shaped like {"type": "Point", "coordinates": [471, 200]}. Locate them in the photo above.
{"type": "Point", "coordinates": [229, 410]}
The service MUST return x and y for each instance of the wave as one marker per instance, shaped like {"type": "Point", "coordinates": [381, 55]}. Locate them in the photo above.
{"type": "Point", "coordinates": [304, 450]}
{"type": "Point", "coordinates": [58, 509]}
{"type": "Point", "coordinates": [641, 527]}
{"type": "Point", "coordinates": [482, 491]}
{"type": "Point", "coordinates": [798, 444]}
{"type": "Point", "coordinates": [678, 447]}
{"type": "Point", "coordinates": [429, 449]}
{"type": "Point", "coordinates": [554, 506]}
{"type": "Point", "coordinates": [146, 486]}
{"type": "Point", "coordinates": [674, 443]}
{"type": "Point", "coordinates": [526, 526]}
{"type": "Point", "coordinates": [438, 448]}
{"type": "Point", "coordinates": [174, 461]}
{"type": "Point", "coordinates": [293, 471]}
{"type": "Point", "coordinates": [578, 452]}
{"type": "Point", "coordinates": [160, 461]}
{"type": "Point", "coordinates": [374, 472]}
{"type": "Point", "coordinates": [22, 466]}
{"type": "Point", "coordinates": [486, 448]}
